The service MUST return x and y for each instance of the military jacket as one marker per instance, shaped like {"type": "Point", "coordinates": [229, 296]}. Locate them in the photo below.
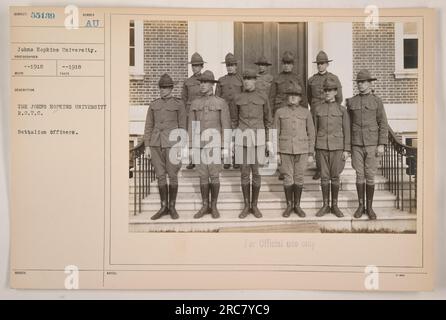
{"type": "Point", "coordinates": [212, 113]}
{"type": "Point", "coordinates": [263, 83]}
{"type": "Point", "coordinates": [295, 130]}
{"type": "Point", "coordinates": [332, 126]}
{"type": "Point", "coordinates": [253, 112]}
{"type": "Point", "coordinates": [315, 88]}
{"type": "Point", "coordinates": [281, 83]}
{"type": "Point", "coordinates": [163, 116]}
{"type": "Point", "coordinates": [368, 120]}
{"type": "Point", "coordinates": [191, 90]}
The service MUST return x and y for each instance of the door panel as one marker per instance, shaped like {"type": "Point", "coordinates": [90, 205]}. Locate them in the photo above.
{"type": "Point", "coordinates": [253, 39]}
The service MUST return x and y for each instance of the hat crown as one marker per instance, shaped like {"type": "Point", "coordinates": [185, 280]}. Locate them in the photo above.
{"type": "Point", "coordinates": [196, 58]}
{"type": "Point", "coordinates": [165, 81]}
{"type": "Point", "coordinates": [288, 56]}
{"type": "Point", "coordinates": [364, 75]}
{"type": "Point", "coordinates": [294, 88]}
{"type": "Point", "coordinates": [229, 58]}
{"type": "Point", "coordinates": [262, 60]}
{"type": "Point", "coordinates": [322, 56]}
{"type": "Point", "coordinates": [207, 76]}
{"type": "Point", "coordinates": [249, 73]}
{"type": "Point", "coordinates": [330, 83]}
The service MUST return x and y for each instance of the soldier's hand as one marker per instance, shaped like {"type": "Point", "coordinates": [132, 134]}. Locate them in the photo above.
{"type": "Point", "coordinates": [310, 158]}
{"type": "Point", "coordinates": [269, 147]}
{"type": "Point", "coordinates": [279, 159]}
{"type": "Point", "coordinates": [148, 153]}
{"type": "Point", "coordinates": [345, 155]}
{"type": "Point", "coordinates": [380, 150]}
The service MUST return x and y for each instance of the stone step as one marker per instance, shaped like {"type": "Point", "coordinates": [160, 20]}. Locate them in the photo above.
{"type": "Point", "coordinates": [389, 220]}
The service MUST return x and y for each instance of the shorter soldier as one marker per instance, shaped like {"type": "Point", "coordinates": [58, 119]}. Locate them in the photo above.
{"type": "Point", "coordinates": [191, 86]}
{"type": "Point", "coordinates": [228, 87]}
{"type": "Point", "coordinates": [164, 115]}
{"type": "Point", "coordinates": [295, 131]}
{"type": "Point", "coordinates": [264, 79]}
{"type": "Point", "coordinates": [253, 122]}
{"type": "Point", "coordinates": [209, 112]}
{"type": "Point", "coordinates": [369, 136]}
{"type": "Point", "coordinates": [332, 126]}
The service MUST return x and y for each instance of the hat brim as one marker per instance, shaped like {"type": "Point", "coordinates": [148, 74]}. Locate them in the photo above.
{"type": "Point", "coordinates": [263, 63]}
{"type": "Point", "coordinates": [196, 63]}
{"type": "Point", "coordinates": [231, 62]}
{"type": "Point", "coordinates": [212, 81]}
{"type": "Point", "coordinates": [322, 61]}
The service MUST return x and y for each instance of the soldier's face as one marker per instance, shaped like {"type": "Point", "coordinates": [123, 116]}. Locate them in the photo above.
{"type": "Point", "coordinates": [363, 86]}
{"type": "Point", "coordinates": [262, 68]}
{"type": "Point", "coordinates": [249, 84]}
{"type": "Point", "coordinates": [231, 68]}
{"type": "Point", "coordinates": [287, 67]}
{"type": "Point", "coordinates": [206, 87]}
{"type": "Point", "coordinates": [196, 68]}
{"type": "Point", "coordinates": [165, 92]}
{"type": "Point", "coordinates": [330, 94]}
{"type": "Point", "coordinates": [322, 67]}
{"type": "Point", "coordinates": [294, 100]}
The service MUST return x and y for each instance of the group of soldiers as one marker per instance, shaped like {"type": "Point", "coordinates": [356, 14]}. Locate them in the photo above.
{"type": "Point", "coordinates": [255, 100]}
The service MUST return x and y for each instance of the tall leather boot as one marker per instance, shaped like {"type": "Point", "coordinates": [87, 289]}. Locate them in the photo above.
{"type": "Point", "coordinates": [370, 190]}
{"type": "Point", "coordinates": [173, 191]}
{"type": "Point", "coordinates": [334, 201]}
{"type": "Point", "coordinates": [297, 196]}
{"type": "Point", "coordinates": [215, 189]}
{"type": "Point", "coordinates": [246, 188]}
{"type": "Point", "coordinates": [325, 200]}
{"type": "Point", "coordinates": [204, 189]}
{"type": "Point", "coordinates": [255, 196]}
{"type": "Point", "coordinates": [163, 191]}
{"type": "Point", "coordinates": [190, 165]}
{"type": "Point", "coordinates": [289, 190]}
{"type": "Point", "coordinates": [360, 189]}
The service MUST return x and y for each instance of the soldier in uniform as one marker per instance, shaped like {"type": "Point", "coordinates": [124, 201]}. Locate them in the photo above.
{"type": "Point", "coordinates": [369, 136]}
{"type": "Point", "coordinates": [210, 112]}
{"type": "Point", "coordinates": [332, 126]}
{"type": "Point", "coordinates": [253, 114]}
{"type": "Point", "coordinates": [315, 92]}
{"type": "Point", "coordinates": [295, 131]}
{"type": "Point", "coordinates": [281, 83]}
{"type": "Point", "coordinates": [228, 87]}
{"type": "Point", "coordinates": [264, 79]}
{"type": "Point", "coordinates": [164, 115]}
{"type": "Point", "coordinates": [191, 86]}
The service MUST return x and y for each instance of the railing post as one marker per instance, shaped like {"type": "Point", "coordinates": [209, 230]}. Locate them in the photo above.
{"type": "Point", "coordinates": [134, 182]}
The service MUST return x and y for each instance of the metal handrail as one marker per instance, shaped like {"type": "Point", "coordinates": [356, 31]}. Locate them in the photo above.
{"type": "Point", "coordinates": [399, 166]}
{"type": "Point", "coordinates": [142, 173]}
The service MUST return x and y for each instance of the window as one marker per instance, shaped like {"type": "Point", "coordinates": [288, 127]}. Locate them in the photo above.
{"type": "Point", "coordinates": [406, 50]}
{"type": "Point", "coordinates": [136, 49]}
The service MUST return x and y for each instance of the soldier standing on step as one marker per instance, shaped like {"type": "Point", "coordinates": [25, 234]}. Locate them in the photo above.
{"type": "Point", "coordinates": [164, 115]}
{"type": "Point", "coordinates": [315, 92]}
{"type": "Point", "coordinates": [281, 83]}
{"type": "Point", "coordinates": [210, 113]}
{"type": "Point", "coordinates": [264, 79]}
{"type": "Point", "coordinates": [332, 126]}
{"type": "Point", "coordinates": [369, 136]}
{"type": "Point", "coordinates": [295, 131]}
{"type": "Point", "coordinates": [228, 87]}
{"type": "Point", "coordinates": [191, 86]}
{"type": "Point", "coordinates": [253, 122]}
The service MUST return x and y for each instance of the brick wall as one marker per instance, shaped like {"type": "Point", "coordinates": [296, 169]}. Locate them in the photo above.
{"type": "Point", "coordinates": [375, 50]}
{"type": "Point", "coordinates": [165, 51]}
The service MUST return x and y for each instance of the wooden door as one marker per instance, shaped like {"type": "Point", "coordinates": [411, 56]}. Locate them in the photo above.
{"type": "Point", "coordinates": [254, 39]}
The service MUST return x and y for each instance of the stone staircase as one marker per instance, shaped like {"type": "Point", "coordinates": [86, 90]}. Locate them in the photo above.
{"type": "Point", "coordinates": [272, 204]}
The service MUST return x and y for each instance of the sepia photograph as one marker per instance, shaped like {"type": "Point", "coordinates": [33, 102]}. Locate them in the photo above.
{"type": "Point", "coordinates": [264, 126]}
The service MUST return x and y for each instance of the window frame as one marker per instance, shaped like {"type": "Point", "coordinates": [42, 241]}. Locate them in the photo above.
{"type": "Point", "coordinates": [136, 72]}
{"type": "Point", "coordinates": [400, 71]}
